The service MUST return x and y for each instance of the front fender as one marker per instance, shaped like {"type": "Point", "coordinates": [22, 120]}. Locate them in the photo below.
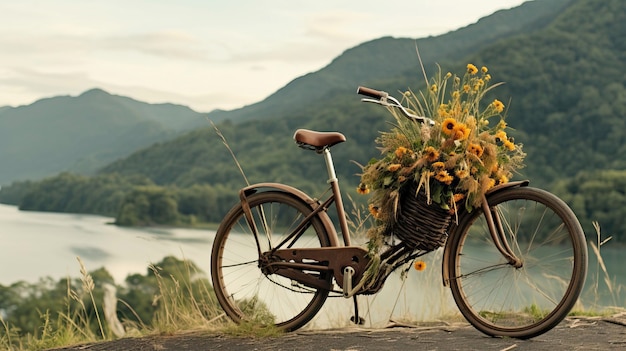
{"type": "Point", "coordinates": [260, 187]}
{"type": "Point", "coordinates": [461, 215]}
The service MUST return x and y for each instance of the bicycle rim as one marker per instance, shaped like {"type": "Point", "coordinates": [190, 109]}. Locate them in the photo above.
{"type": "Point", "coordinates": [501, 300]}
{"type": "Point", "coordinates": [244, 291]}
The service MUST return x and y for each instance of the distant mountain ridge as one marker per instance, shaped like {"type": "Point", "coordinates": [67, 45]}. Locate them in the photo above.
{"type": "Point", "coordinates": [83, 133]}
{"type": "Point", "coordinates": [387, 58]}
{"type": "Point", "coordinates": [565, 92]}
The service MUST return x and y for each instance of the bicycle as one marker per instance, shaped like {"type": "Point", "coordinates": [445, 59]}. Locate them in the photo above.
{"type": "Point", "coordinates": [515, 266]}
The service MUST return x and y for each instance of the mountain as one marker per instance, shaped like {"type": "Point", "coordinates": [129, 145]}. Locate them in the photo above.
{"type": "Point", "coordinates": [565, 92]}
{"type": "Point", "coordinates": [83, 133]}
{"type": "Point", "coordinates": [386, 58]}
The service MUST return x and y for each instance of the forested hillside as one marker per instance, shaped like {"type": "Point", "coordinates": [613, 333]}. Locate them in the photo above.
{"type": "Point", "coordinates": [564, 90]}
{"type": "Point", "coordinates": [387, 58]}
{"type": "Point", "coordinates": [83, 133]}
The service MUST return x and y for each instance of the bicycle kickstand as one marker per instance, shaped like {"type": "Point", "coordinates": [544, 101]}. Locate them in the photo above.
{"type": "Point", "coordinates": [356, 319]}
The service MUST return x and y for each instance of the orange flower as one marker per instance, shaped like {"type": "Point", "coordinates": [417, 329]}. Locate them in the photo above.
{"type": "Point", "coordinates": [475, 149]}
{"type": "Point", "coordinates": [444, 177]}
{"type": "Point", "coordinates": [431, 154]}
{"type": "Point", "coordinates": [462, 173]}
{"type": "Point", "coordinates": [374, 210]}
{"type": "Point", "coordinates": [363, 189]}
{"type": "Point", "coordinates": [458, 197]}
{"type": "Point", "coordinates": [439, 165]}
{"type": "Point", "coordinates": [401, 151]}
{"type": "Point", "coordinates": [394, 167]}
{"type": "Point", "coordinates": [460, 132]}
{"type": "Point", "coordinates": [447, 127]}
{"type": "Point", "coordinates": [419, 265]}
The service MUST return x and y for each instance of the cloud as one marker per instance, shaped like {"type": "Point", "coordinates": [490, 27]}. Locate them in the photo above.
{"type": "Point", "coordinates": [164, 44]}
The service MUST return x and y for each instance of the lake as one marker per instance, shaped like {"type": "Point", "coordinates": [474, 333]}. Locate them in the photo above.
{"type": "Point", "coordinates": [38, 244]}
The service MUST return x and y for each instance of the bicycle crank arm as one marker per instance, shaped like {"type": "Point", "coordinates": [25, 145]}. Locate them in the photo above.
{"type": "Point", "coordinates": [333, 259]}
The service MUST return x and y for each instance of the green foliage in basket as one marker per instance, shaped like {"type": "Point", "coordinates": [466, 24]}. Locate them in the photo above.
{"type": "Point", "coordinates": [466, 152]}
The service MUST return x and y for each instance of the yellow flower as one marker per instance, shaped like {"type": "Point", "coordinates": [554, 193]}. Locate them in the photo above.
{"type": "Point", "coordinates": [460, 132]}
{"type": "Point", "coordinates": [471, 69]}
{"type": "Point", "coordinates": [363, 189]}
{"type": "Point", "coordinates": [448, 126]}
{"type": "Point", "coordinates": [497, 105]}
{"type": "Point", "coordinates": [462, 173]}
{"type": "Point", "coordinates": [431, 154]}
{"type": "Point", "coordinates": [509, 145]}
{"type": "Point", "coordinates": [487, 77]}
{"type": "Point", "coordinates": [439, 165]}
{"type": "Point", "coordinates": [484, 69]}
{"type": "Point", "coordinates": [503, 179]}
{"type": "Point", "coordinates": [501, 124]}
{"type": "Point", "coordinates": [444, 177]}
{"type": "Point", "coordinates": [475, 149]}
{"type": "Point", "coordinates": [458, 197]}
{"type": "Point", "coordinates": [419, 265]}
{"type": "Point", "coordinates": [374, 210]}
{"type": "Point", "coordinates": [466, 88]}
{"type": "Point", "coordinates": [501, 136]}
{"type": "Point", "coordinates": [433, 88]}
{"type": "Point", "coordinates": [394, 167]}
{"type": "Point", "coordinates": [401, 151]}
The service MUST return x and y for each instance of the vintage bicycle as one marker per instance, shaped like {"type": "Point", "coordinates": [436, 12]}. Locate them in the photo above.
{"type": "Point", "coordinates": [515, 266]}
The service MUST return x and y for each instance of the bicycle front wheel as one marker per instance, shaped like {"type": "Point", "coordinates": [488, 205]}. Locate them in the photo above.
{"type": "Point", "coordinates": [496, 297]}
{"type": "Point", "coordinates": [247, 292]}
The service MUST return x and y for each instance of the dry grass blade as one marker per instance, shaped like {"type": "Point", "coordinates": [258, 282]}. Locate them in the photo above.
{"type": "Point", "coordinates": [219, 133]}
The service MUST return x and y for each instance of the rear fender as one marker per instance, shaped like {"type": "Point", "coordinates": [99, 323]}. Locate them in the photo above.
{"type": "Point", "coordinates": [462, 213]}
{"type": "Point", "coordinates": [261, 187]}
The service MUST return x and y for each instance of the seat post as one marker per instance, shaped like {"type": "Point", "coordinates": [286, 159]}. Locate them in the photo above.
{"type": "Point", "coordinates": [334, 182]}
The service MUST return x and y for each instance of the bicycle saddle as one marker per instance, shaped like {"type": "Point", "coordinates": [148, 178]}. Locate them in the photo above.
{"type": "Point", "coordinates": [313, 140]}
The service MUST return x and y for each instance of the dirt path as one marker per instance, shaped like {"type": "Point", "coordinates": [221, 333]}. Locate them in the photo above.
{"type": "Point", "coordinates": [572, 334]}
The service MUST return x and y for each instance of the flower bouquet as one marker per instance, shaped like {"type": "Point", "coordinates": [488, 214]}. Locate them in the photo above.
{"type": "Point", "coordinates": [426, 172]}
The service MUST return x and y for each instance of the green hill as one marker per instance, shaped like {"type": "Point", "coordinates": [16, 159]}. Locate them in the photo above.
{"type": "Point", "coordinates": [565, 91]}
{"type": "Point", "coordinates": [83, 133]}
{"type": "Point", "coordinates": [385, 58]}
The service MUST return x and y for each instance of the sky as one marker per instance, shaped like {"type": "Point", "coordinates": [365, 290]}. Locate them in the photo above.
{"type": "Point", "coordinates": [205, 54]}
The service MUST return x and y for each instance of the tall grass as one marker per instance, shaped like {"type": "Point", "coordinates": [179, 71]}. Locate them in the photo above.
{"type": "Point", "coordinates": [186, 304]}
{"type": "Point", "coordinates": [600, 281]}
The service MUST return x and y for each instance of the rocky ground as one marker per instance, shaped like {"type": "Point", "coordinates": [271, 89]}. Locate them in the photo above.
{"type": "Point", "coordinates": [598, 333]}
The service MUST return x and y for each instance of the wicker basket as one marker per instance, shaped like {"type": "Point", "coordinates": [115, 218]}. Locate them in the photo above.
{"type": "Point", "coordinates": [420, 225]}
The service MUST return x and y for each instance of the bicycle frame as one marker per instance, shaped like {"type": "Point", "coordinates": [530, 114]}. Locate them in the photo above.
{"type": "Point", "coordinates": [346, 262]}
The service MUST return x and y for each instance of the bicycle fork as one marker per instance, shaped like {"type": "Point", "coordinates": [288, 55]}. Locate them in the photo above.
{"type": "Point", "coordinates": [498, 235]}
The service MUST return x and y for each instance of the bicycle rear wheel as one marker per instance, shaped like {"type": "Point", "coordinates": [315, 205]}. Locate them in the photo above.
{"type": "Point", "coordinates": [502, 300]}
{"type": "Point", "coordinates": [243, 289]}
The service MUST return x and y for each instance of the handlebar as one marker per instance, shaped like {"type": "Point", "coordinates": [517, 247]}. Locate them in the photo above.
{"type": "Point", "coordinates": [383, 98]}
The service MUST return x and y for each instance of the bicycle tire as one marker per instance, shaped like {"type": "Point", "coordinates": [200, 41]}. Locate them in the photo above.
{"type": "Point", "coordinates": [501, 300]}
{"type": "Point", "coordinates": [243, 290]}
